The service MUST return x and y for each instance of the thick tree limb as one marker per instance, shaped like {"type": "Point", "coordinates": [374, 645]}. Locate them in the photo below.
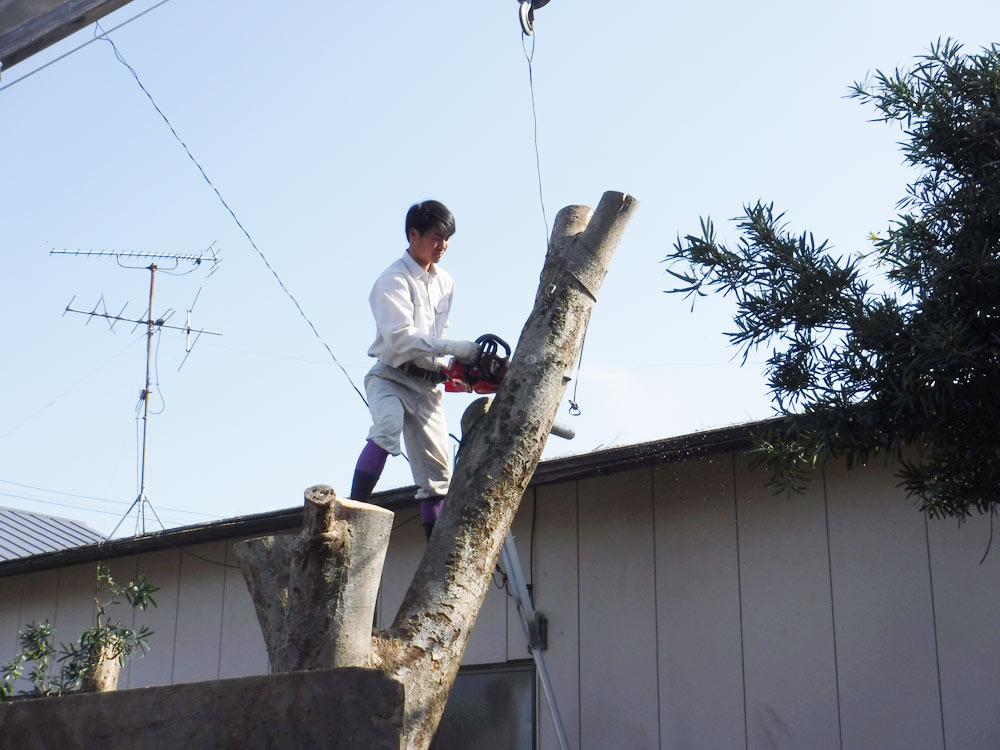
{"type": "Point", "coordinates": [265, 562]}
{"type": "Point", "coordinates": [424, 647]}
{"type": "Point", "coordinates": [315, 593]}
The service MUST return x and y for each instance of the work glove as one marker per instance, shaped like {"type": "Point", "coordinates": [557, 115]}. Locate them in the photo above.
{"type": "Point", "coordinates": [467, 351]}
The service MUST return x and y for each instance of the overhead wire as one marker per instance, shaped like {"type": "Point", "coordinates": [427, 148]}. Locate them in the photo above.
{"type": "Point", "coordinates": [156, 374]}
{"type": "Point", "coordinates": [232, 213]}
{"type": "Point", "coordinates": [96, 499]}
{"type": "Point", "coordinates": [85, 508]}
{"type": "Point", "coordinates": [61, 505]}
{"type": "Point", "coordinates": [138, 452]}
{"type": "Point", "coordinates": [534, 118]}
{"type": "Point", "coordinates": [183, 550]}
{"type": "Point", "coordinates": [80, 47]}
{"type": "Point", "coordinates": [71, 388]}
{"type": "Point", "coordinates": [574, 407]}
{"type": "Point", "coordinates": [412, 518]}
{"type": "Point", "coordinates": [168, 542]}
{"type": "Point", "coordinates": [104, 35]}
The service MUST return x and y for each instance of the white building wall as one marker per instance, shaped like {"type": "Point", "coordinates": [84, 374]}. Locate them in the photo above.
{"type": "Point", "coordinates": [885, 633]}
{"type": "Point", "coordinates": [688, 607]}
{"type": "Point", "coordinates": [789, 662]}
{"type": "Point", "coordinates": [967, 612]}
{"type": "Point", "coordinates": [700, 651]}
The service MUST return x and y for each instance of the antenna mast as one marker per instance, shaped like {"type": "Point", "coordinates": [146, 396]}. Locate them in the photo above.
{"type": "Point", "coordinates": [153, 325]}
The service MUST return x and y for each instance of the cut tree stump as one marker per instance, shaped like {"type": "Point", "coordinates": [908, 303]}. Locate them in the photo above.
{"type": "Point", "coordinates": [315, 593]}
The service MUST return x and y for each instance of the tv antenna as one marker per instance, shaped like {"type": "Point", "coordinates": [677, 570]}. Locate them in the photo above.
{"type": "Point", "coordinates": [168, 263]}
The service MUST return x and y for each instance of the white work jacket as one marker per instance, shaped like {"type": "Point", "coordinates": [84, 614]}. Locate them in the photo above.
{"type": "Point", "coordinates": [411, 309]}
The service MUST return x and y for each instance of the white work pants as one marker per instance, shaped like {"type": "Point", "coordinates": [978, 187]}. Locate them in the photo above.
{"type": "Point", "coordinates": [401, 403]}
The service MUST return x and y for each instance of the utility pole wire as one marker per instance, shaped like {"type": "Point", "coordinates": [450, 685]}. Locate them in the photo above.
{"type": "Point", "coordinates": [80, 47]}
{"type": "Point", "coordinates": [89, 375]}
{"type": "Point", "coordinates": [312, 327]}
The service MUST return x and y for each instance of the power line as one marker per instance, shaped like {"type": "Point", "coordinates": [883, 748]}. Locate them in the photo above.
{"type": "Point", "coordinates": [176, 546]}
{"type": "Point", "coordinates": [77, 506]}
{"type": "Point", "coordinates": [534, 119]}
{"type": "Point", "coordinates": [574, 407]}
{"type": "Point", "coordinates": [312, 327]}
{"type": "Point", "coordinates": [80, 47]}
{"type": "Point", "coordinates": [71, 388]}
{"type": "Point", "coordinates": [92, 497]}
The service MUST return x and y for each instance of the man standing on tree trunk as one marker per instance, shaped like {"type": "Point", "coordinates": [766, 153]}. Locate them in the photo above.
{"type": "Point", "coordinates": [410, 302]}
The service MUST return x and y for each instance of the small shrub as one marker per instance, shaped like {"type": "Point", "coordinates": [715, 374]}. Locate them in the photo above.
{"type": "Point", "coordinates": [103, 642]}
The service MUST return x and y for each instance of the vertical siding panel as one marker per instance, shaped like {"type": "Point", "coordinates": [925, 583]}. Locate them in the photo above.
{"type": "Point", "coordinates": [488, 642]}
{"type": "Point", "coordinates": [790, 672]}
{"type": "Point", "coordinates": [517, 644]}
{"type": "Point", "coordinates": [38, 604]}
{"type": "Point", "coordinates": [10, 616]}
{"type": "Point", "coordinates": [698, 612]}
{"type": "Point", "coordinates": [406, 545]}
{"type": "Point", "coordinates": [162, 569]}
{"type": "Point", "coordinates": [243, 649]}
{"type": "Point", "coordinates": [618, 680]}
{"type": "Point", "coordinates": [556, 580]}
{"type": "Point", "coordinates": [967, 602]}
{"type": "Point", "coordinates": [199, 613]}
{"type": "Point", "coordinates": [75, 609]}
{"type": "Point", "coordinates": [38, 599]}
{"type": "Point", "coordinates": [885, 632]}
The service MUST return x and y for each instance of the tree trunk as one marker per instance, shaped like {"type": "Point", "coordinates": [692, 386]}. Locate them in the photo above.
{"type": "Point", "coordinates": [315, 593]}
{"type": "Point", "coordinates": [424, 646]}
{"type": "Point", "coordinates": [104, 678]}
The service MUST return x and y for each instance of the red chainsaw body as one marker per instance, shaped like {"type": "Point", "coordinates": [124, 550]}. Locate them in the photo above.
{"type": "Point", "coordinates": [466, 378]}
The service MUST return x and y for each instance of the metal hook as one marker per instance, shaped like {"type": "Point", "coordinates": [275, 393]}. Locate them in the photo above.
{"type": "Point", "coordinates": [527, 17]}
{"type": "Point", "coordinates": [527, 14]}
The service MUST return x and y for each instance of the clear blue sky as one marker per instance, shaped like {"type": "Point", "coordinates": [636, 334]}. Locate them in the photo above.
{"type": "Point", "coordinates": [320, 125]}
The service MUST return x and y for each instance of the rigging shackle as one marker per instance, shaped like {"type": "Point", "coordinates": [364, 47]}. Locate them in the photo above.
{"type": "Point", "coordinates": [527, 14]}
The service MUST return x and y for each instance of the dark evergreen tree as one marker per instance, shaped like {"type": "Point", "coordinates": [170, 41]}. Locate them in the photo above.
{"type": "Point", "coordinates": [912, 373]}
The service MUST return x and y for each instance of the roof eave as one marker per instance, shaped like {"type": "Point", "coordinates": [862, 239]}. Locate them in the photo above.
{"type": "Point", "coordinates": [553, 471]}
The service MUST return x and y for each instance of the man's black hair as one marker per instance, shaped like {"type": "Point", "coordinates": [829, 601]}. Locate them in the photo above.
{"type": "Point", "coordinates": [430, 215]}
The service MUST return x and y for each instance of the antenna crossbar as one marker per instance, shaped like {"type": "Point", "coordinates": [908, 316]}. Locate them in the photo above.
{"type": "Point", "coordinates": [148, 256]}
{"type": "Point", "coordinates": [141, 321]}
{"type": "Point", "coordinates": [153, 325]}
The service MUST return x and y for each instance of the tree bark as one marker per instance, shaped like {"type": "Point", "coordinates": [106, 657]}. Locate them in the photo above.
{"type": "Point", "coordinates": [104, 678]}
{"type": "Point", "coordinates": [315, 594]}
{"type": "Point", "coordinates": [424, 646]}
{"type": "Point", "coordinates": [265, 563]}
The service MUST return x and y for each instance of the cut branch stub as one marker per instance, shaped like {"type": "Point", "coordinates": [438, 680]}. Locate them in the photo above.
{"type": "Point", "coordinates": [333, 581]}
{"type": "Point", "coordinates": [265, 562]}
{"type": "Point", "coordinates": [318, 613]}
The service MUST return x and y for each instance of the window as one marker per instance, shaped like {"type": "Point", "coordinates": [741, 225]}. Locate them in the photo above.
{"type": "Point", "coordinates": [491, 707]}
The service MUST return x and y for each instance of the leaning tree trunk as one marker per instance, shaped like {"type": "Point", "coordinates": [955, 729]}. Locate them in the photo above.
{"type": "Point", "coordinates": [424, 646]}
{"type": "Point", "coordinates": [315, 593]}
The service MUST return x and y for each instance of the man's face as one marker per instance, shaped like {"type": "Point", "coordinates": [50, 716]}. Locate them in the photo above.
{"type": "Point", "coordinates": [429, 247]}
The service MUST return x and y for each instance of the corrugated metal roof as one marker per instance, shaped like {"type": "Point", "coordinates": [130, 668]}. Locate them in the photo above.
{"type": "Point", "coordinates": [23, 534]}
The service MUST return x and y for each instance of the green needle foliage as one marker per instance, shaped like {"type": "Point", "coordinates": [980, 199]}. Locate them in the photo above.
{"type": "Point", "coordinates": [911, 373]}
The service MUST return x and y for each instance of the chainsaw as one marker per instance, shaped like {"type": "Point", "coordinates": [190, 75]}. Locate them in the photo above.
{"type": "Point", "coordinates": [483, 375]}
